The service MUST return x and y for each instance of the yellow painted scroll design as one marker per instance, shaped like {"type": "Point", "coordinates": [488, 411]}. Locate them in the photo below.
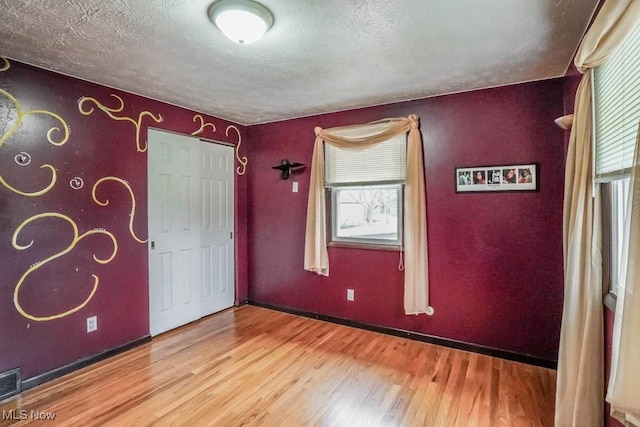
{"type": "Point", "coordinates": [35, 193]}
{"type": "Point", "coordinates": [50, 137]}
{"type": "Point", "coordinates": [242, 160]}
{"type": "Point", "coordinates": [76, 238]}
{"type": "Point", "coordinates": [203, 125]}
{"type": "Point", "coordinates": [22, 114]}
{"type": "Point", "coordinates": [106, 202]}
{"type": "Point", "coordinates": [5, 63]}
{"type": "Point", "coordinates": [111, 110]}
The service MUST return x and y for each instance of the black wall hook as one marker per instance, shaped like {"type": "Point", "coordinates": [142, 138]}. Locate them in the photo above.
{"type": "Point", "coordinates": [286, 167]}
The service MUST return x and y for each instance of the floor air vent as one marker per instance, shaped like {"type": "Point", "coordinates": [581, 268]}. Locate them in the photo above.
{"type": "Point", "coordinates": [10, 383]}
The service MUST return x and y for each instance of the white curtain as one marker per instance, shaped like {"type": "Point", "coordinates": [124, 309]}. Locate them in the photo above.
{"type": "Point", "coordinates": [624, 382]}
{"type": "Point", "coordinates": [360, 137]}
{"type": "Point", "coordinates": [580, 377]}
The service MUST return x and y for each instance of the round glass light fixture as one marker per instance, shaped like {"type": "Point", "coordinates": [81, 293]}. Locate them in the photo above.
{"type": "Point", "coordinates": [242, 21]}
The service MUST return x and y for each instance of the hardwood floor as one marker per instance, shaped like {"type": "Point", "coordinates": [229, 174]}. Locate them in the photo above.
{"type": "Point", "coordinates": [251, 366]}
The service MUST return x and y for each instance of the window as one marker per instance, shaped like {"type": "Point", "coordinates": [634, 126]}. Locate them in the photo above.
{"type": "Point", "coordinates": [617, 113]}
{"type": "Point", "coordinates": [371, 214]}
{"type": "Point", "coordinates": [615, 201]}
{"type": "Point", "coordinates": [366, 187]}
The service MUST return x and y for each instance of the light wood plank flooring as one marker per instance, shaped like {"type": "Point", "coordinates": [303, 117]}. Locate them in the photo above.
{"type": "Point", "coordinates": [251, 366]}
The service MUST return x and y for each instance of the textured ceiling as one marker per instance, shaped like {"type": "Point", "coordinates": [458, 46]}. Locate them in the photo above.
{"type": "Point", "coordinates": [319, 56]}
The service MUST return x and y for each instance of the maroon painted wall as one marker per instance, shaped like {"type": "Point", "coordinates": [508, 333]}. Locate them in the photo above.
{"type": "Point", "coordinates": [495, 259]}
{"type": "Point", "coordinates": [97, 147]}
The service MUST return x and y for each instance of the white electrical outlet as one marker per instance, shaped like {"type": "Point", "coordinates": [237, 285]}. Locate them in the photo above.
{"type": "Point", "coordinates": [350, 295]}
{"type": "Point", "coordinates": [92, 323]}
{"type": "Point", "coordinates": [294, 188]}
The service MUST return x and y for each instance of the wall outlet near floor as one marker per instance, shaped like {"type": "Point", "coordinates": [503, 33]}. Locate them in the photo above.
{"type": "Point", "coordinates": [92, 323]}
{"type": "Point", "coordinates": [350, 295]}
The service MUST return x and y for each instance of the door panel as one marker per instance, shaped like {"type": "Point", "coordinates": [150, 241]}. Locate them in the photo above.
{"type": "Point", "coordinates": [223, 259]}
{"type": "Point", "coordinates": [166, 280]}
{"type": "Point", "coordinates": [216, 233]}
{"type": "Point", "coordinates": [174, 261]}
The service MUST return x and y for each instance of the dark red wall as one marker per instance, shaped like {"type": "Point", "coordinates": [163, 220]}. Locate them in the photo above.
{"type": "Point", "coordinates": [495, 259]}
{"type": "Point", "coordinates": [97, 147]}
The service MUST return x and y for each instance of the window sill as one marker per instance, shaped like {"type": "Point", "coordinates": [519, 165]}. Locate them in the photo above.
{"type": "Point", "coordinates": [367, 246]}
{"type": "Point", "coordinates": [609, 301]}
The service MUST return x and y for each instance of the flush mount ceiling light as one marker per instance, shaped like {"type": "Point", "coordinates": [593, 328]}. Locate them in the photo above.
{"type": "Point", "coordinates": [242, 21]}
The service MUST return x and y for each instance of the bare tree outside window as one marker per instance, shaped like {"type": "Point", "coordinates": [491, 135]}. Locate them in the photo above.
{"type": "Point", "coordinates": [367, 213]}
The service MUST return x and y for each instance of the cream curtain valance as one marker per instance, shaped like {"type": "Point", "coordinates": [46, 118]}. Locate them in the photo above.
{"type": "Point", "coordinates": [360, 137]}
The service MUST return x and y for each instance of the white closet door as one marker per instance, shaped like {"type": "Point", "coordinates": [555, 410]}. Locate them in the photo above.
{"type": "Point", "coordinates": [217, 225]}
{"type": "Point", "coordinates": [174, 231]}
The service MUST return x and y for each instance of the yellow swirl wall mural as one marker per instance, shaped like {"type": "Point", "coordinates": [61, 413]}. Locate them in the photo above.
{"type": "Point", "coordinates": [106, 202]}
{"type": "Point", "coordinates": [110, 110]}
{"type": "Point", "coordinates": [21, 114]}
{"type": "Point", "coordinates": [35, 193]}
{"type": "Point", "coordinates": [242, 160]}
{"type": "Point", "coordinates": [74, 241]}
{"type": "Point", "coordinates": [203, 125]}
{"type": "Point", "coordinates": [5, 63]}
{"type": "Point", "coordinates": [51, 133]}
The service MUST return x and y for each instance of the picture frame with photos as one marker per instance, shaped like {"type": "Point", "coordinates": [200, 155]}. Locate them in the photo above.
{"type": "Point", "coordinates": [518, 177]}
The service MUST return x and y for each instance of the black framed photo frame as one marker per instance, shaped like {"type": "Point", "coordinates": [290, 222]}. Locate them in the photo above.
{"type": "Point", "coordinates": [518, 177]}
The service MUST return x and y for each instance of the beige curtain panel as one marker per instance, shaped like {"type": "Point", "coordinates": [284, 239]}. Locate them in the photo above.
{"type": "Point", "coordinates": [624, 382]}
{"type": "Point", "coordinates": [580, 377]}
{"type": "Point", "coordinates": [361, 137]}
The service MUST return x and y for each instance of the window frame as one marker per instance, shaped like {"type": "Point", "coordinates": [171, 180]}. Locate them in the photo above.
{"type": "Point", "coordinates": [610, 140]}
{"type": "Point", "coordinates": [608, 297]}
{"type": "Point", "coordinates": [333, 240]}
{"type": "Point", "coordinates": [342, 178]}
{"type": "Point", "coordinates": [612, 222]}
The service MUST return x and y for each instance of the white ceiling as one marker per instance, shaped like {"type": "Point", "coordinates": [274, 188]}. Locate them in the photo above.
{"type": "Point", "coordinates": [319, 56]}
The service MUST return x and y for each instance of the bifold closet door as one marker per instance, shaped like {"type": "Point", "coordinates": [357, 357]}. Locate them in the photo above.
{"type": "Point", "coordinates": [191, 225]}
{"type": "Point", "coordinates": [217, 225]}
{"type": "Point", "coordinates": [174, 230]}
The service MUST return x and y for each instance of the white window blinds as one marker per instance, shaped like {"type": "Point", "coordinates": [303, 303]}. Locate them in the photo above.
{"type": "Point", "coordinates": [617, 108]}
{"type": "Point", "coordinates": [384, 163]}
